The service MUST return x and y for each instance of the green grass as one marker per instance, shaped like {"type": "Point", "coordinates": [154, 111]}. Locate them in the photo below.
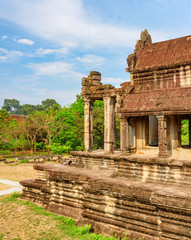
{"type": "Point", "coordinates": [65, 225]}
{"type": "Point", "coordinates": [24, 161]}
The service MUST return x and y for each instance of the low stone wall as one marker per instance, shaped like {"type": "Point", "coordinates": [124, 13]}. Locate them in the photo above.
{"type": "Point", "coordinates": [152, 170]}
{"type": "Point", "coordinates": [93, 161]}
{"type": "Point", "coordinates": [111, 205]}
{"type": "Point", "coordinates": [40, 159]}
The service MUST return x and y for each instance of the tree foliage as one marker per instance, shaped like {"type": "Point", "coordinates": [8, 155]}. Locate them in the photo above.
{"type": "Point", "coordinates": [185, 132]}
{"type": "Point", "coordinates": [48, 125]}
{"type": "Point", "coordinates": [13, 106]}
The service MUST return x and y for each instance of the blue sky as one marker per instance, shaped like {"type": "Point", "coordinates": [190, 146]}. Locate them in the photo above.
{"type": "Point", "coordinates": [47, 46]}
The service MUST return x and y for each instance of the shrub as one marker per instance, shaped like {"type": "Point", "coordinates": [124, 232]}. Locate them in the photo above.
{"type": "Point", "coordinates": [57, 148]}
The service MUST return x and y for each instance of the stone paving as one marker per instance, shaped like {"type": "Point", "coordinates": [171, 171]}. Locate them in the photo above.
{"type": "Point", "coordinates": [16, 187]}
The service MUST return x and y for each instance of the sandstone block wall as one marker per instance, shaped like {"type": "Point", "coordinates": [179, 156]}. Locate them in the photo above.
{"type": "Point", "coordinates": [113, 204]}
{"type": "Point", "coordinates": [150, 170]}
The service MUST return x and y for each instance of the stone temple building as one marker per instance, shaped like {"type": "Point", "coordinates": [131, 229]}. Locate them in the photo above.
{"type": "Point", "coordinates": [150, 106]}
{"type": "Point", "coordinates": [146, 185]}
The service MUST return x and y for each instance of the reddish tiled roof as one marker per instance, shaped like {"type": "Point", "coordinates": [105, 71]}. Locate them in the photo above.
{"type": "Point", "coordinates": [177, 100]}
{"type": "Point", "coordinates": [168, 53]}
{"type": "Point", "coordinates": [19, 118]}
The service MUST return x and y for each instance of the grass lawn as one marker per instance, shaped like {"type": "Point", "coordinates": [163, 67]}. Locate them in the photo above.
{"type": "Point", "coordinates": [21, 220]}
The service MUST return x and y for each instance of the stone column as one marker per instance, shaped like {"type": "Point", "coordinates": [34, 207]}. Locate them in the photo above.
{"type": "Point", "coordinates": [162, 136]}
{"type": "Point", "coordinates": [88, 124]}
{"type": "Point", "coordinates": [109, 118]}
{"type": "Point", "coordinates": [124, 136]}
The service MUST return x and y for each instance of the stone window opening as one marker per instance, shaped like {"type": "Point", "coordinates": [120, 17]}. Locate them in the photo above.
{"type": "Point", "coordinates": [98, 125]}
{"type": "Point", "coordinates": [185, 131]}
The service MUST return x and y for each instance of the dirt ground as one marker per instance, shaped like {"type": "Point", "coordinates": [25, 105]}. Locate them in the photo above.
{"type": "Point", "coordinates": [16, 172]}
{"type": "Point", "coordinates": [19, 222]}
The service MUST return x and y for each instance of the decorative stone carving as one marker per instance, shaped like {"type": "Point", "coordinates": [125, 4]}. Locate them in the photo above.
{"type": "Point", "coordinates": [131, 61]}
{"type": "Point", "coordinates": [84, 81]}
{"type": "Point", "coordinates": [145, 40]}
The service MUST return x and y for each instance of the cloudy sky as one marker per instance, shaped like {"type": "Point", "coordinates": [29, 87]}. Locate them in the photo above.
{"type": "Point", "coordinates": [47, 46]}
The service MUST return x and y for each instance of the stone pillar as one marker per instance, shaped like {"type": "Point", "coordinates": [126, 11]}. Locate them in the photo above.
{"type": "Point", "coordinates": [124, 136]}
{"type": "Point", "coordinates": [88, 124]}
{"type": "Point", "coordinates": [109, 118]}
{"type": "Point", "coordinates": [162, 136]}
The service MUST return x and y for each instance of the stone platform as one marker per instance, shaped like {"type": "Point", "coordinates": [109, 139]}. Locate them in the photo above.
{"type": "Point", "coordinates": [150, 197]}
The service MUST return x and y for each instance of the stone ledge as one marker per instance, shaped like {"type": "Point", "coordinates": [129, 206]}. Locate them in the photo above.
{"type": "Point", "coordinates": [148, 160]}
{"type": "Point", "coordinates": [93, 197]}
{"type": "Point", "coordinates": [147, 192]}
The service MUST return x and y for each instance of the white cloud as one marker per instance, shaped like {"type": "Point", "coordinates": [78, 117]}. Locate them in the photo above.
{"type": "Point", "coordinates": [6, 55]}
{"type": "Point", "coordinates": [67, 22]}
{"type": "Point", "coordinates": [60, 51]}
{"type": "Point", "coordinates": [25, 41]}
{"type": "Point", "coordinates": [4, 37]}
{"type": "Point", "coordinates": [50, 68]}
{"type": "Point", "coordinates": [91, 60]}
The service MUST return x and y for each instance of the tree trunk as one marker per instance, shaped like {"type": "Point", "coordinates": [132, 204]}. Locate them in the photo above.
{"type": "Point", "coordinates": [31, 148]}
{"type": "Point", "coordinates": [35, 145]}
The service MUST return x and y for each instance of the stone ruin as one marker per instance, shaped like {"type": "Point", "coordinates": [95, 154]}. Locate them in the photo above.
{"type": "Point", "coordinates": [146, 185]}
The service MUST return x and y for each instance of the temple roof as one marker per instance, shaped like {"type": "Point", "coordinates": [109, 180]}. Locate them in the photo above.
{"type": "Point", "coordinates": [164, 54]}
{"type": "Point", "coordinates": [172, 100]}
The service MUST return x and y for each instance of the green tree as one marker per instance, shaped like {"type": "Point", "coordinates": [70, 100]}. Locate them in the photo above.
{"type": "Point", "coordinates": [11, 106]}
{"type": "Point", "coordinates": [72, 125]}
{"type": "Point", "coordinates": [31, 127]}
{"type": "Point", "coordinates": [13, 135]}
{"type": "Point", "coordinates": [48, 103]}
{"type": "Point", "coordinates": [5, 119]}
{"type": "Point", "coordinates": [50, 124]}
{"type": "Point", "coordinates": [27, 109]}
